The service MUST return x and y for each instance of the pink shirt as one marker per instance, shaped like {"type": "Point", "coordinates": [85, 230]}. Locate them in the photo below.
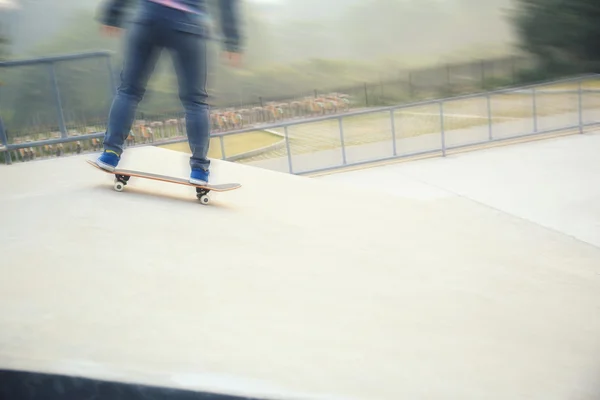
{"type": "Point", "coordinates": [174, 4]}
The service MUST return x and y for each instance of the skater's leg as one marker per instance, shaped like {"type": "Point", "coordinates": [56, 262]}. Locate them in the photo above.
{"type": "Point", "coordinates": [141, 55]}
{"type": "Point", "coordinates": [189, 59]}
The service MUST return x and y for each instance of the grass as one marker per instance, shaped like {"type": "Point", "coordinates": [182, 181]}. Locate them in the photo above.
{"type": "Point", "coordinates": [409, 122]}
{"type": "Point", "coordinates": [587, 84]}
{"type": "Point", "coordinates": [325, 135]}
{"type": "Point", "coordinates": [233, 144]}
{"type": "Point", "coordinates": [425, 119]}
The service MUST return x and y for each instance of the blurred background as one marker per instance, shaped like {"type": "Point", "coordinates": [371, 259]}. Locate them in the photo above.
{"type": "Point", "coordinates": [302, 58]}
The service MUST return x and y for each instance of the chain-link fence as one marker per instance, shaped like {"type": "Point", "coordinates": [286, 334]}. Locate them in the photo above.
{"type": "Point", "coordinates": [410, 85]}
{"type": "Point", "coordinates": [239, 110]}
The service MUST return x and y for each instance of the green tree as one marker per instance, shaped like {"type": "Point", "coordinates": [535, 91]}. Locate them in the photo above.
{"type": "Point", "coordinates": [563, 34]}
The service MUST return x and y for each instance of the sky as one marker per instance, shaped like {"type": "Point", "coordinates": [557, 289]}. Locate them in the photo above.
{"type": "Point", "coordinates": [291, 24]}
{"type": "Point", "coordinates": [11, 4]}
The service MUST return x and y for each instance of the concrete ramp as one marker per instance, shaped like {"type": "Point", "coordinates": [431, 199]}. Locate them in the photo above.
{"type": "Point", "coordinates": [289, 288]}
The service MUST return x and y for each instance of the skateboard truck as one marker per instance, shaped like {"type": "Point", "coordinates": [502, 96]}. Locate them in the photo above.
{"type": "Point", "coordinates": [121, 182]}
{"type": "Point", "coordinates": [202, 195]}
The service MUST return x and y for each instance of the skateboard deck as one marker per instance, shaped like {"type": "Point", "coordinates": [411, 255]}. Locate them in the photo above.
{"type": "Point", "coordinates": [122, 177]}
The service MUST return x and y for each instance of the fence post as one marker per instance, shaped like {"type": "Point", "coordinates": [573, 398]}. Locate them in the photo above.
{"type": "Point", "coordinates": [489, 111]}
{"type": "Point", "coordinates": [534, 105]}
{"type": "Point", "coordinates": [366, 96]}
{"type": "Point", "coordinates": [392, 119]}
{"type": "Point", "coordinates": [341, 125]}
{"type": "Point", "coordinates": [442, 128]}
{"type": "Point", "coordinates": [287, 146]}
{"type": "Point", "coordinates": [3, 138]}
{"type": "Point", "coordinates": [222, 141]}
{"type": "Point", "coordinates": [4, 142]}
{"type": "Point", "coordinates": [482, 64]}
{"type": "Point", "coordinates": [59, 108]}
{"type": "Point", "coordinates": [580, 106]}
{"type": "Point", "coordinates": [514, 70]}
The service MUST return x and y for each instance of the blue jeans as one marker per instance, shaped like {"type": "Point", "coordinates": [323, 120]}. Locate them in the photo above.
{"type": "Point", "coordinates": [157, 27]}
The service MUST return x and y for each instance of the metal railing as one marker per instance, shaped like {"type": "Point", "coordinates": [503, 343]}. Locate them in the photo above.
{"type": "Point", "coordinates": [57, 121]}
{"type": "Point", "coordinates": [310, 145]}
{"type": "Point", "coordinates": [428, 127]}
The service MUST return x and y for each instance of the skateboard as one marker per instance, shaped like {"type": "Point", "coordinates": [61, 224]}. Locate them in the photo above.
{"type": "Point", "coordinates": [122, 177]}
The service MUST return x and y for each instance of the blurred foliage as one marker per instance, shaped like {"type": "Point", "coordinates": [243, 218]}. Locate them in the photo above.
{"type": "Point", "coordinates": [366, 41]}
{"type": "Point", "coordinates": [562, 34]}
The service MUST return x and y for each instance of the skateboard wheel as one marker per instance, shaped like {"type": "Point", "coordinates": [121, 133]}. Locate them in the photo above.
{"type": "Point", "coordinates": [119, 186]}
{"type": "Point", "coordinates": [203, 199]}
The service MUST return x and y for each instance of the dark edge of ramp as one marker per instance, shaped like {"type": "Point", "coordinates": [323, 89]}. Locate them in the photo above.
{"type": "Point", "coordinates": [17, 385]}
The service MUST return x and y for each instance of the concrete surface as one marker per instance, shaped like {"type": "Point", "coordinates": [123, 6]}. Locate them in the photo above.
{"type": "Point", "coordinates": [552, 182]}
{"type": "Point", "coordinates": [294, 287]}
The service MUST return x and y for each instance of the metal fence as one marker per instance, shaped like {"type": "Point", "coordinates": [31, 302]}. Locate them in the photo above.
{"type": "Point", "coordinates": [70, 95]}
{"type": "Point", "coordinates": [301, 145]}
{"type": "Point", "coordinates": [389, 88]}
{"type": "Point", "coordinates": [50, 101]}
{"type": "Point", "coordinates": [428, 127]}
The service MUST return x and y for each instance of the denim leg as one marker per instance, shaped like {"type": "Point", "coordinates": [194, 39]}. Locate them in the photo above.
{"type": "Point", "coordinates": [189, 58]}
{"type": "Point", "coordinates": [141, 55]}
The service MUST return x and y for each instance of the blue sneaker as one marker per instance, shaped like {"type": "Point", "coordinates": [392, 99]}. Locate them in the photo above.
{"type": "Point", "coordinates": [199, 177]}
{"type": "Point", "coordinates": [108, 160]}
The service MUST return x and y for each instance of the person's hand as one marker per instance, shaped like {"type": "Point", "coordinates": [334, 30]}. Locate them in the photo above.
{"type": "Point", "coordinates": [232, 58]}
{"type": "Point", "coordinates": [110, 31]}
